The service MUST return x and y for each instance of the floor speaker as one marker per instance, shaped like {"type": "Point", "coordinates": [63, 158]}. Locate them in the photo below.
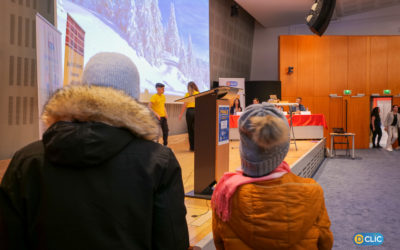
{"type": "Point", "coordinates": [320, 15]}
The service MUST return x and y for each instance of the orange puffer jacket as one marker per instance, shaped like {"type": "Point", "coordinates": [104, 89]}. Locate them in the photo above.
{"type": "Point", "coordinates": [284, 213]}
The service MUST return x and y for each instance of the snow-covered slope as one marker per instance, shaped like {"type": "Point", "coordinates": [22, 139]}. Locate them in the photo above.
{"type": "Point", "coordinates": [102, 35]}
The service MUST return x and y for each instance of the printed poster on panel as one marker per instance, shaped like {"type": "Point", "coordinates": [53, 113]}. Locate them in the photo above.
{"type": "Point", "coordinates": [49, 62]}
{"type": "Point", "coordinates": [223, 124]}
{"type": "Point", "coordinates": [74, 52]}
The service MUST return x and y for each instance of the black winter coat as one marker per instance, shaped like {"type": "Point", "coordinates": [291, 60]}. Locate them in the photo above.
{"type": "Point", "coordinates": [88, 185]}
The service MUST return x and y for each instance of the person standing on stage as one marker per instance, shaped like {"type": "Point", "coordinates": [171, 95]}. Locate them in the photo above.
{"type": "Point", "coordinates": [299, 107]}
{"type": "Point", "coordinates": [265, 205]}
{"type": "Point", "coordinates": [376, 127]}
{"type": "Point", "coordinates": [190, 112]}
{"type": "Point", "coordinates": [96, 180]}
{"type": "Point", "coordinates": [392, 122]}
{"type": "Point", "coordinates": [157, 104]}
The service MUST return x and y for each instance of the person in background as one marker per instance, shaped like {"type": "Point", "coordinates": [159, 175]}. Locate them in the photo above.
{"type": "Point", "coordinates": [236, 107]}
{"type": "Point", "coordinates": [157, 105]}
{"type": "Point", "coordinates": [298, 108]}
{"type": "Point", "coordinates": [256, 101]}
{"type": "Point", "coordinates": [392, 122]}
{"type": "Point", "coordinates": [398, 132]}
{"type": "Point", "coordinates": [96, 180]}
{"type": "Point", "coordinates": [265, 206]}
{"type": "Point", "coordinates": [376, 127]}
{"type": "Point", "coordinates": [190, 112]}
{"type": "Point", "coordinates": [398, 139]}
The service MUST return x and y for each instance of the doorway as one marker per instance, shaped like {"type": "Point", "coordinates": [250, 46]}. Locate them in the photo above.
{"type": "Point", "coordinates": [385, 105]}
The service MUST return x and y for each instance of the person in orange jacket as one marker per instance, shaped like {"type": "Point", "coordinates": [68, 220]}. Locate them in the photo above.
{"type": "Point", "coordinates": [265, 206]}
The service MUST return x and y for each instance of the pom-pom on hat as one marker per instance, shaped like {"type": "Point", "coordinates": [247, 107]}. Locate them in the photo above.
{"type": "Point", "coordinates": [115, 70]}
{"type": "Point", "coordinates": [264, 139]}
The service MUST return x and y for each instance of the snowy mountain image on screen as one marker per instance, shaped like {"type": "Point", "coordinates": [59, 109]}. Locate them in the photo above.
{"type": "Point", "coordinates": [167, 40]}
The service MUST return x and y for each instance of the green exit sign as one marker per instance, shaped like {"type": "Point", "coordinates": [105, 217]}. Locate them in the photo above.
{"type": "Point", "coordinates": [347, 92]}
{"type": "Point", "coordinates": [387, 91]}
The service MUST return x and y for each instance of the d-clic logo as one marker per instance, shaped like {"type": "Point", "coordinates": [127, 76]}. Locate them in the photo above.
{"type": "Point", "coordinates": [368, 239]}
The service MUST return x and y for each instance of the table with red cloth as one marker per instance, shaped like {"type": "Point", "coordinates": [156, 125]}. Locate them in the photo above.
{"type": "Point", "coordinates": [308, 120]}
{"type": "Point", "coordinates": [305, 126]}
{"type": "Point", "coordinates": [298, 120]}
{"type": "Point", "coordinates": [234, 121]}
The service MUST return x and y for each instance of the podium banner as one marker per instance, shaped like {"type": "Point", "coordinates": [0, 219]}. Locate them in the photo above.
{"type": "Point", "coordinates": [49, 63]}
{"type": "Point", "coordinates": [223, 124]}
{"type": "Point", "coordinates": [74, 52]}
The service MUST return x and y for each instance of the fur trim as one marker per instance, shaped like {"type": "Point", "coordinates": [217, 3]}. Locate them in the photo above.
{"type": "Point", "coordinates": [100, 104]}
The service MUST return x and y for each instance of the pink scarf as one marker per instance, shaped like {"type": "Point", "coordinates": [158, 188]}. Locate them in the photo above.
{"type": "Point", "coordinates": [228, 184]}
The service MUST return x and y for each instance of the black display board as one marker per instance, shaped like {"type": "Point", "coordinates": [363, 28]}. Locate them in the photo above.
{"type": "Point", "coordinates": [261, 90]}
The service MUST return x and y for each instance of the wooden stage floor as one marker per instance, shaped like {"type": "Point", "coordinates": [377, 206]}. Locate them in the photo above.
{"type": "Point", "coordinates": [199, 211]}
{"type": "Point", "coordinates": [200, 224]}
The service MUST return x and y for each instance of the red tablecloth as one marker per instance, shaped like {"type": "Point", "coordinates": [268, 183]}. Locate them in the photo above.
{"type": "Point", "coordinates": [234, 121]}
{"type": "Point", "coordinates": [308, 120]}
{"type": "Point", "coordinates": [298, 120]}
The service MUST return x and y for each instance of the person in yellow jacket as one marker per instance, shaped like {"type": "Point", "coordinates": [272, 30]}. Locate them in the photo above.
{"type": "Point", "coordinates": [190, 112]}
{"type": "Point", "coordinates": [157, 105]}
{"type": "Point", "coordinates": [265, 206]}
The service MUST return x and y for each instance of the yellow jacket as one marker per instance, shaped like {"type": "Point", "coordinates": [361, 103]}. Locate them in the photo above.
{"type": "Point", "coordinates": [285, 213]}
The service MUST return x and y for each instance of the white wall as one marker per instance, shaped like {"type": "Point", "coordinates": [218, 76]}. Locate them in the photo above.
{"type": "Point", "coordinates": [265, 58]}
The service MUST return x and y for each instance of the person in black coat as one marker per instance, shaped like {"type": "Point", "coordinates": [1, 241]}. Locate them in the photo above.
{"type": "Point", "coordinates": [96, 180]}
{"type": "Point", "coordinates": [376, 127]}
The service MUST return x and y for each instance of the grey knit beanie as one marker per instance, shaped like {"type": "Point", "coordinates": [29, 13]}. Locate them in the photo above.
{"type": "Point", "coordinates": [264, 139]}
{"type": "Point", "coordinates": [114, 70]}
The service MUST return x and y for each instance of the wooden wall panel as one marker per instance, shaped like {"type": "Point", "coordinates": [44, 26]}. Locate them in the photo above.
{"type": "Point", "coordinates": [338, 62]}
{"type": "Point", "coordinates": [308, 102]}
{"type": "Point", "coordinates": [358, 122]}
{"type": "Point", "coordinates": [378, 64]}
{"type": "Point", "coordinates": [288, 57]}
{"type": "Point", "coordinates": [321, 68]}
{"type": "Point", "coordinates": [336, 118]}
{"type": "Point", "coordinates": [396, 100]}
{"type": "Point", "coordinates": [305, 66]}
{"type": "Point", "coordinates": [321, 106]}
{"type": "Point", "coordinates": [364, 64]}
{"type": "Point", "coordinates": [358, 70]}
{"type": "Point", "coordinates": [289, 98]}
{"type": "Point", "coordinates": [394, 64]}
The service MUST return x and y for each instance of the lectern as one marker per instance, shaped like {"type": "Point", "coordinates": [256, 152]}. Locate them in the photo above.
{"type": "Point", "coordinates": [211, 138]}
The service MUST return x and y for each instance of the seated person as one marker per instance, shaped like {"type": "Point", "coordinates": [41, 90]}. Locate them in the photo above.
{"type": "Point", "coordinates": [266, 206]}
{"type": "Point", "coordinates": [256, 101]}
{"type": "Point", "coordinates": [236, 107]}
{"type": "Point", "coordinates": [298, 108]}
